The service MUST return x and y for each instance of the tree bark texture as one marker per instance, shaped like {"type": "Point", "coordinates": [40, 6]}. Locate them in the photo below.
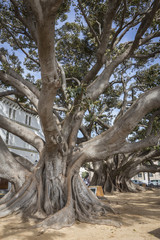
{"type": "Point", "coordinates": [52, 190]}
{"type": "Point", "coordinates": [115, 173]}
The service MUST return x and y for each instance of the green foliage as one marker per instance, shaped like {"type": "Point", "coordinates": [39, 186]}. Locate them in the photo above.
{"type": "Point", "coordinates": [150, 77]}
{"type": "Point", "coordinates": [13, 62]}
{"type": "Point", "coordinates": [63, 10]}
{"type": "Point", "coordinates": [76, 48]}
{"type": "Point", "coordinates": [85, 174]}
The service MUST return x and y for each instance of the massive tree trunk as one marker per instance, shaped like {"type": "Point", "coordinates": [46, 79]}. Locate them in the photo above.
{"type": "Point", "coordinates": [56, 194]}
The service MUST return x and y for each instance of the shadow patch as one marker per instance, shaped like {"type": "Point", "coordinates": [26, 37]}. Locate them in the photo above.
{"type": "Point", "coordinates": [156, 233]}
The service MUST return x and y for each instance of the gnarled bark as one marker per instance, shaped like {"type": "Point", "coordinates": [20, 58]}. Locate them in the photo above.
{"type": "Point", "coordinates": [52, 189]}
{"type": "Point", "coordinates": [115, 173]}
{"type": "Point", "coordinates": [66, 197]}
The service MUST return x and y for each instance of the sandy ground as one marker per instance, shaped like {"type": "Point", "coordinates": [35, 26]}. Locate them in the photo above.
{"type": "Point", "coordinates": [138, 212]}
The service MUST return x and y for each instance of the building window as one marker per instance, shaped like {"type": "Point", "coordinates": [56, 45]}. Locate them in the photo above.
{"type": "Point", "coordinates": [7, 137]}
{"type": "Point", "coordinates": [151, 174]}
{"type": "Point", "coordinates": [14, 114]}
{"type": "Point", "coordinates": [28, 120]}
{"type": "Point", "coordinates": [10, 112]}
{"type": "Point", "coordinates": [139, 174]}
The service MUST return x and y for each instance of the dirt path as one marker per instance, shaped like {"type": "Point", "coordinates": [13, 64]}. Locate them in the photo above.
{"type": "Point", "coordinates": [139, 213]}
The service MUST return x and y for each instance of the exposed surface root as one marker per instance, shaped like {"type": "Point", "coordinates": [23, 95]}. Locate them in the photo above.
{"type": "Point", "coordinates": [7, 196]}
{"type": "Point", "coordinates": [21, 201]}
{"type": "Point", "coordinates": [63, 218]}
{"type": "Point", "coordinates": [88, 208]}
{"type": "Point", "coordinates": [81, 205]}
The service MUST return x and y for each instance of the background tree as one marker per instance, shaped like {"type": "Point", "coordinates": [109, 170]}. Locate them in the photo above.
{"type": "Point", "coordinates": [78, 63]}
{"type": "Point", "coordinates": [107, 171]}
{"type": "Point", "coordinates": [115, 173]}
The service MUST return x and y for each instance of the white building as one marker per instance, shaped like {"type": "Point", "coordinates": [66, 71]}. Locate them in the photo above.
{"type": "Point", "coordinates": [10, 109]}
{"type": "Point", "coordinates": [148, 177]}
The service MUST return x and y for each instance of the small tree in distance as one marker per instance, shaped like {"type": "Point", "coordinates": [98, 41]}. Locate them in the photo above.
{"type": "Point", "coordinates": [78, 63]}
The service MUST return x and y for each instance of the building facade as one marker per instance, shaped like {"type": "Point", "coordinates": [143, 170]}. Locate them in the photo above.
{"type": "Point", "coordinates": [148, 177]}
{"type": "Point", "coordinates": [10, 109]}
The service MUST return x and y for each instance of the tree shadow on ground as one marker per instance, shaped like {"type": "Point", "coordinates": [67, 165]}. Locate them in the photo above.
{"type": "Point", "coordinates": [25, 231]}
{"type": "Point", "coordinates": [140, 208]}
{"type": "Point", "coordinates": [131, 207]}
{"type": "Point", "coordinates": [156, 233]}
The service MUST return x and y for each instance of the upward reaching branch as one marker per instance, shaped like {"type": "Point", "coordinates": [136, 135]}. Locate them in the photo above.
{"type": "Point", "coordinates": [109, 15]}
{"type": "Point", "coordinates": [87, 21]}
{"type": "Point", "coordinates": [53, 189]}
{"type": "Point", "coordinates": [17, 76]}
{"type": "Point", "coordinates": [45, 14]}
{"type": "Point", "coordinates": [146, 22]}
{"type": "Point", "coordinates": [113, 139]}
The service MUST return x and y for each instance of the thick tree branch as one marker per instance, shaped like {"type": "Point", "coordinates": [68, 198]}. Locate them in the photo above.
{"type": "Point", "coordinates": [14, 74]}
{"type": "Point", "coordinates": [109, 16]}
{"type": "Point", "coordinates": [63, 79]}
{"type": "Point", "coordinates": [6, 78]}
{"type": "Point", "coordinates": [101, 123]}
{"type": "Point", "coordinates": [147, 142]}
{"type": "Point", "coordinates": [74, 79]}
{"type": "Point", "coordinates": [57, 108]}
{"type": "Point", "coordinates": [98, 86]}
{"type": "Point", "coordinates": [44, 10]}
{"type": "Point", "coordinates": [10, 92]}
{"type": "Point", "coordinates": [150, 125]}
{"type": "Point", "coordinates": [22, 132]}
{"type": "Point", "coordinates": [148, 38]}
{"type": "Point", "coordinates": [10, 169]}
{"type": "Point", "coordinates": [101, 82]}
{"type": "Point", "coordinates": [24, 162]}
{"type": "Point", "coordinates": [45, 16]}
{"type": "Point", "coordinates": [76, 123]}
{"type": "Point", "coordinates": [142, 168]}
{"type": "Point", "coordinates": [84, 132]}
{"type": "Point", "coordinates": [113, 141]}
{"type": "Point", "coordinates": [152, 169]}
{"type": "Point", "coordinates": [146, 22]}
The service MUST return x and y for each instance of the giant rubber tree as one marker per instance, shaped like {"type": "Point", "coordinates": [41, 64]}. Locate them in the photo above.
{"type": "Point", "coordinates": [77, 63]}
{"type": "Point", "coordinates": [115, 173]}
